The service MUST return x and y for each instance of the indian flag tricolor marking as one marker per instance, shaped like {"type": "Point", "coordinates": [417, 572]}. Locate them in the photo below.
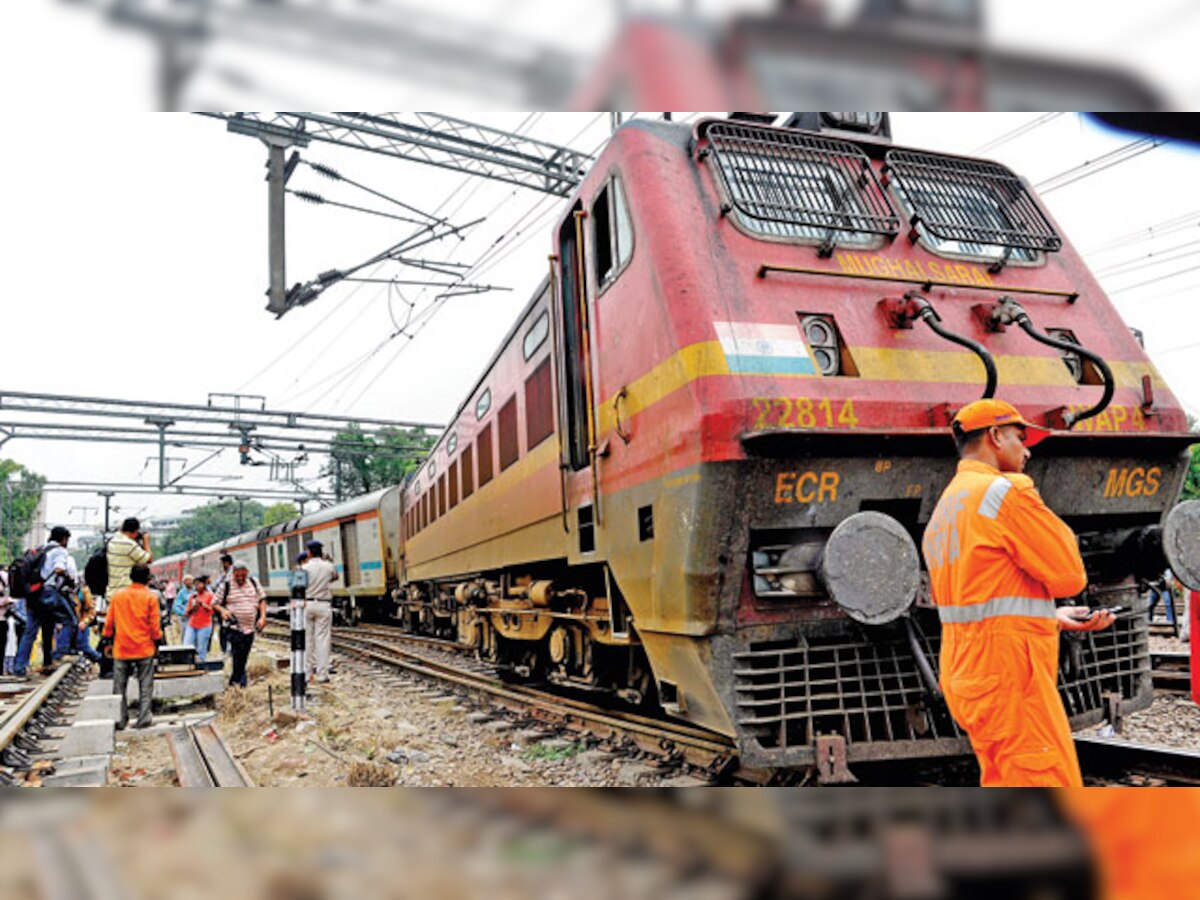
{"type": "Point", "coordinates": [757, 348]}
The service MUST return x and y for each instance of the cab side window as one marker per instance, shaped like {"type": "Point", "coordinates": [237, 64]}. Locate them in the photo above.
{"type": "Point", "coordinates": [613, 232]}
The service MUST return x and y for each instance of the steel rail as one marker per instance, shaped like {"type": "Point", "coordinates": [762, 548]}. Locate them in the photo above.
{"type": "Point", "coordinates": [698, 747]}
{"type": "Point", "coordinates": [1112, 758]}
{"type": "Point", "coordinates": [203, 759]}
{"type": "Point", "coordinates": [17, 719]}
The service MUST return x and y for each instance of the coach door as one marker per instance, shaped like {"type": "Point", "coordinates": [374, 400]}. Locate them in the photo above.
{"type": "Point", "coordinates": [350, 551]}
{"type": "Point", "coordinates": [575, 377]}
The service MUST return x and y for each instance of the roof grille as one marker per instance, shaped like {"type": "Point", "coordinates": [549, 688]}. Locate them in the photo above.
{"type": "Point", "coordinates": [969, 201]}
{"type": "Point", "coordinates": [790, 184]}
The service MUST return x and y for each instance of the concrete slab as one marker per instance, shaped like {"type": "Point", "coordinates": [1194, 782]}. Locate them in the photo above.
{"type": "Point", "coordinates": [101, 687]}
{"type": "Point", "coordinates": [87, 738]}
{"type": "Point", "coordinates": [96, 776]}
{"type": "Point", "coordinates": [101, 707]}
{"type": "Point", "coordinates": [82, 762]}
{"type": "Point", "coordinates": [184, 686]}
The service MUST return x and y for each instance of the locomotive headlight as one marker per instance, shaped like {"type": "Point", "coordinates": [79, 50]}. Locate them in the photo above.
{"type": "Point", "coordinates": [1181, 542]}
{"type": "Point", "coordinates": [824, 343]}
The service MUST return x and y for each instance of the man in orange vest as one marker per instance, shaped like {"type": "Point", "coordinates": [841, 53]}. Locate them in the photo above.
{"type": "Point", "coordinates": [135, 623]}
{"type": "Point", "coordinates": [997, 557]}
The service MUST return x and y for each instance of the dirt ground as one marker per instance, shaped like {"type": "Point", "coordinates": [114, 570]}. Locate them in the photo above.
{"type": "Point", "coordinates": [370, 726]}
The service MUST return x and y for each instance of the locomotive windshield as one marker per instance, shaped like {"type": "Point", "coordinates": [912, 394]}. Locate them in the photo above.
{"type": "Point", "coordinates": [964, 207]}
{"type": "Point", "coordinates": [822, 190]}
{"type": "Point", "coordinates": [969, 204]}
{"type": "Point", "coordinates": [793, 185]}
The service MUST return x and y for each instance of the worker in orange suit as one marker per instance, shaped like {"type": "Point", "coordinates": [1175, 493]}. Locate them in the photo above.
{"type": "Point", "coordinates": [997, 559]}
{"type": "Point", "coordinates": [1136, 857]}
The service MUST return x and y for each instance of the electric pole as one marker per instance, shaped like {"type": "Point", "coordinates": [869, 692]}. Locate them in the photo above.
{"type": "Point", "coordinates": [107, 495]}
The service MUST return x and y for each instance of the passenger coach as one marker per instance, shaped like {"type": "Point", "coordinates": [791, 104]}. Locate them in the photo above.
{"type": "Point", "coordinates": [360, 536]}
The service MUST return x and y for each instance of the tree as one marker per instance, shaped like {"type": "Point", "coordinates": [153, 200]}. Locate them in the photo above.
{"type": "Point", "coordinates": [360, 463]}
{"type": "Point", "coordinates": [211, 523]}
{"type": "Point", "coordinates": [20, 494]}
{"type": "Point", "coordinates": [1191, 484]}
{"type": "Point", "coordinates": [279, 512]}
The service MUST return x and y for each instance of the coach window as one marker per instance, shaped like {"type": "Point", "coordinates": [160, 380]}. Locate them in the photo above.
{"type": "Point", "coordinates": [483, 404]}
{"type": "Point", "coordinates": [441, 490]}
{"type": "Point", "coordinates": [453, 485]}
{"type": "Point", "coordinates": [468, 472]}
{"type": "Point", "coordinates": [451, 444]}
{"type": "Point", "coordinates": [483, 455]}
{"type": "Point", "coordinates": [613, 232]}
{"type": "Point", "coordinates": [510, 448]}
{"type": "Point", "coordinates": [539, 406]}
{"type": "Point", "coordinates": [536, 335]}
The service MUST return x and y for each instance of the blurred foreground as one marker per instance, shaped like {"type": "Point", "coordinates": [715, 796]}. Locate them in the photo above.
{"type": "Point", "coordinates": [640, 54]}
{"type": "Point", "coordinates": [731, 843]}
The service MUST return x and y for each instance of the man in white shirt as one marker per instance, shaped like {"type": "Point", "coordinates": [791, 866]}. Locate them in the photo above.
{"type": "Point", "coordinates": [52, 606]}
{"type": "Point", "coordinates": [318, 611]}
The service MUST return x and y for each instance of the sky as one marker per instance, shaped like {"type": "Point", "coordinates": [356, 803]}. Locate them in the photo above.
{"type": "Point", "coordinates": [137, 262]}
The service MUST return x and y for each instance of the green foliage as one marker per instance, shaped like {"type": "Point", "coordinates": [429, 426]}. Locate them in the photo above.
{"type": "Point", "coordinates": [279, 512]}
{"type": "Point", "coordinates": [552, 754]}
{"type": "Point", "coordinates": [20, 493]}
{"type": "Point", "coordinates": [209, 524]}
{"type": "Point", "coordinates": [1191, 484]}
{"type": "Point", "coordinates": [361, 463]}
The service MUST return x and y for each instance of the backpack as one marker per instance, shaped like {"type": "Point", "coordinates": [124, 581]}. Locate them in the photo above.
{"type": "Point", "coordinates": [225, 587]}
{"type": "Point", "coordinates": [25, 575]}
{"type": "Point", "coordinates": [95, 573]}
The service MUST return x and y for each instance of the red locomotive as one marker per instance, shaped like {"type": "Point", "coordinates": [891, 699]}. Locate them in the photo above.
{"type": "Point", "coordinates": [695, 472]}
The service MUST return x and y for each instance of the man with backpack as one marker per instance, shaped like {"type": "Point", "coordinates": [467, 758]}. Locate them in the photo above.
{"type": "Point", "coordinates": [46, 583]}
{"type": "Point", "coordinates": [226, 573]}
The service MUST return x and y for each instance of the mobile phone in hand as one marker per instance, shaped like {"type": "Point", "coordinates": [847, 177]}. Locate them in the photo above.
{"type": "Point", "coordinates": [1092, 613]}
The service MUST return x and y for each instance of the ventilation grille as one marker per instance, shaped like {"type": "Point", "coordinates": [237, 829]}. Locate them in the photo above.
{"type": "Point", "coordinates": [864, 685]}
{"type": "Point", "coordinates": [969, 201]}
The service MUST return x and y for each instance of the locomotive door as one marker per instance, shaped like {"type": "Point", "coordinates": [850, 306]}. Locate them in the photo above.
{"type": "Point", "coordinates": [576, 412]}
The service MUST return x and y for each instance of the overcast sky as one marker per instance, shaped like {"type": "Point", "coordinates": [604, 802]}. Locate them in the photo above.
{"type": "Point", "coordinates": [137, 264]}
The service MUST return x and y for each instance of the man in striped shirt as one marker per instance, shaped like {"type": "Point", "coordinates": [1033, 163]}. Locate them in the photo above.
{"type": "Point", "coordinates": [127, 549]}
{"type": "Point", "coordinates": [242, 606]}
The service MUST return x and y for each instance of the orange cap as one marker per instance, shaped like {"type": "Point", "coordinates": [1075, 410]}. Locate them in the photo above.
{"type": "Point", "coordinates": [986, 413]}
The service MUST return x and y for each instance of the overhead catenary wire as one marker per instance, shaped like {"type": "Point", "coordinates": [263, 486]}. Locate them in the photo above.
{"type": "Point", "coordinates": [422, 319]}
{"type": "Point", "coordinates": [1020, 131]}
{"type": "Point", "coordinates": [1122, 154]}
{"type": "Point", "coordinates": [364, 359]}
{"type": "Point", "coordinates": [1149, 233]}
{"type": "Point", "coordinates": [1149, 260]}
{"type": "Point", "coordinates": [330, 172]}
{"type": "Point", "coordinates": [1141, 284]}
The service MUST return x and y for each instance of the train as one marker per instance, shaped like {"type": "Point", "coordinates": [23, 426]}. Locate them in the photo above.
{"type": "Point", "coordinates": [360, 536]}
{"type": "Point", "coordinates": [695, 473]}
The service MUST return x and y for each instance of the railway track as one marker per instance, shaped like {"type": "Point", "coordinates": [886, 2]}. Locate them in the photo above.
{"type": "Point", "coordinates": [28, 712]}
{"type": "Point", "coordinates": [1121, 762]}
{"type": "Point", "coordinates": [672, 744]}
{"type": "Point", "coordinates": [203, 759]}
{"type": "Point", "coordinates": [714, 756]}
{"type": "Point", "coordinates": [1171, 672]}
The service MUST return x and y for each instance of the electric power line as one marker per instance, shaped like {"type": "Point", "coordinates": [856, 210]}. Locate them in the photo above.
{"type": "Point", "coordinates": [1121, 154]}
{"type": "Point", "coordinates": [1019, 131]}
{"type": "Point", "coordinates": [1141, 284]}
{"type": "Point", "coordinates": [1150, 232]}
